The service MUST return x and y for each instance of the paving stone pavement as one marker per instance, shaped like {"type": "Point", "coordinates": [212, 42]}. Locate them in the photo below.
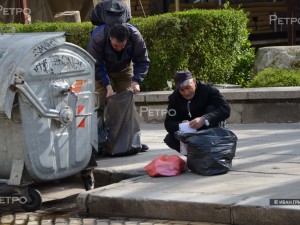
{"type": "Point", "coordinates": [39, 218]}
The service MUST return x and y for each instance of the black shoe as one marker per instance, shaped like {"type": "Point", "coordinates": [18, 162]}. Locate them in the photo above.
{"type": "Point", "coordinates": [144, 148]}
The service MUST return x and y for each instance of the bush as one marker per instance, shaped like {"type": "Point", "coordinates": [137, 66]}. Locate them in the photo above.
{"type": "Point", "coordinates": [271, 77]}
{"type": "Point", "coordinates": [212, 44]}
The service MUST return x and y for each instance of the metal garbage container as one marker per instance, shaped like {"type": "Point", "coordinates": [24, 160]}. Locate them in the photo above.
{"type": "Point", "coordinates": [47, 110]}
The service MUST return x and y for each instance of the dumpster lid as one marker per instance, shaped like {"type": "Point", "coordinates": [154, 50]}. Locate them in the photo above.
{"type": "Point", "coordinates": [17, 48]}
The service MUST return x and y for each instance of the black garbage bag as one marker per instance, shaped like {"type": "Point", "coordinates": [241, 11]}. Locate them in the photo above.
{"type": "Point", "coordinates": [102, 136]}
{"type": "Point", "coordinates": [209, 152]}
{"type": "Point", "coordinates": [122, 126]}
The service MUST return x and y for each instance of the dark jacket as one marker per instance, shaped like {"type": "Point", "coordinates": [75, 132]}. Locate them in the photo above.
{"type": "Point", "coordinates": [207, 102]}
{"type": "Point", "coordinates": [107, 60]}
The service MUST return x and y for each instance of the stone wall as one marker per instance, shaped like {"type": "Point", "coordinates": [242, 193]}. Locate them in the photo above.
{"type": "Point", "coordinates": [248, 105]}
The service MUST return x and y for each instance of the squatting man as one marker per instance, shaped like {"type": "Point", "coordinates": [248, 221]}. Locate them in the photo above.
{"type": "Point", "coordinates": [200, 105]}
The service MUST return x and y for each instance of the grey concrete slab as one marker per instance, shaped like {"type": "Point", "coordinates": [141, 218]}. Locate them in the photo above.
{"type": "Point", "coordinates": [60, 189]}
{"type": "Point", "coordinates": [265, 167]}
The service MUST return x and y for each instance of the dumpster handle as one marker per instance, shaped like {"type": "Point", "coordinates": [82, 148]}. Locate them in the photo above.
{"type": "Point", "coordinates": [83, 115]}
{"type": "Point", "coordinates": [65, 116]}
{"type": "Point", "coordinates": [98, 101]}
{"type": "Point", "coordinates": [7, 27]}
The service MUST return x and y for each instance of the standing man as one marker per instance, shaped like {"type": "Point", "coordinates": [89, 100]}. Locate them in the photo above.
{"type": "Point", "coordinates": [121, 60]}
{"type": "Point", "coordinates": [201, 105]}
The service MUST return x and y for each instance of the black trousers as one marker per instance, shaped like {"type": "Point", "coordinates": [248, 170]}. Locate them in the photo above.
{"type": "Point", "coordinates": [172, 142]}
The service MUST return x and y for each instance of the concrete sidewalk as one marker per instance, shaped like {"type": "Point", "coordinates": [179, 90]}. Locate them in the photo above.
{"type": "Point", "coordinates": [266, 167]}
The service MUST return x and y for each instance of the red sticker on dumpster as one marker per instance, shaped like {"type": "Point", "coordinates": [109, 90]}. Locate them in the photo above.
{"type": "Point", "coordinates": [80, 120]}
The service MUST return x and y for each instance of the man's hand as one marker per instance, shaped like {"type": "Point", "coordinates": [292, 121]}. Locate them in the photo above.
{"type": "Point", "coordinates": [109, 90]}
{"type": "Point", "coordinates": [197, 122]}
{"type": "Point", "coordinates": [135, 87]}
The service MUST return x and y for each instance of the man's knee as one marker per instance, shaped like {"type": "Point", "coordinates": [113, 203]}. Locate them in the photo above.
{"type": "Point", "coordinates": [172, 142]}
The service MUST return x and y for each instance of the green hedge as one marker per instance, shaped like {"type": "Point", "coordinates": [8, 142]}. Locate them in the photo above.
{"type": "Point", "coordinates": [271, 77]}
{"type": "Point", "coordinates": [212, 44]}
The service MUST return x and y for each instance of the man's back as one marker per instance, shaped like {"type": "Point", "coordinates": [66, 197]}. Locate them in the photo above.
{"type": "Point", "coordinates": [134, 52]}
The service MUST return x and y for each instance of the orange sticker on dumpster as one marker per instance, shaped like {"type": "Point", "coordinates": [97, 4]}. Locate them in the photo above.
{"type": "Point", "coordinates": [77, 86]}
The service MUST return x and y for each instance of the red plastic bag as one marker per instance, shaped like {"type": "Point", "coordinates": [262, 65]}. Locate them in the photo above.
{"type": "Point", "coordinates": [165, 165]}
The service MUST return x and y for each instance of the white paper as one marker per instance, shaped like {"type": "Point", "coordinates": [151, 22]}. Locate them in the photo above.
{"type": "Point", "coordinates": [185, 127]}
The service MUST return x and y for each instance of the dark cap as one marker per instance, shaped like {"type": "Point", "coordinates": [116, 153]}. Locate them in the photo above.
{"type": "Point", "coordinates": [182, 78]}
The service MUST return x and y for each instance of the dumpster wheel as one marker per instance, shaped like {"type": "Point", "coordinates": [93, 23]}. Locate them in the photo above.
{"type": "Point", "coordinates": [36, 200]}
{"type": "Point", "coordinates": [88, 179]}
